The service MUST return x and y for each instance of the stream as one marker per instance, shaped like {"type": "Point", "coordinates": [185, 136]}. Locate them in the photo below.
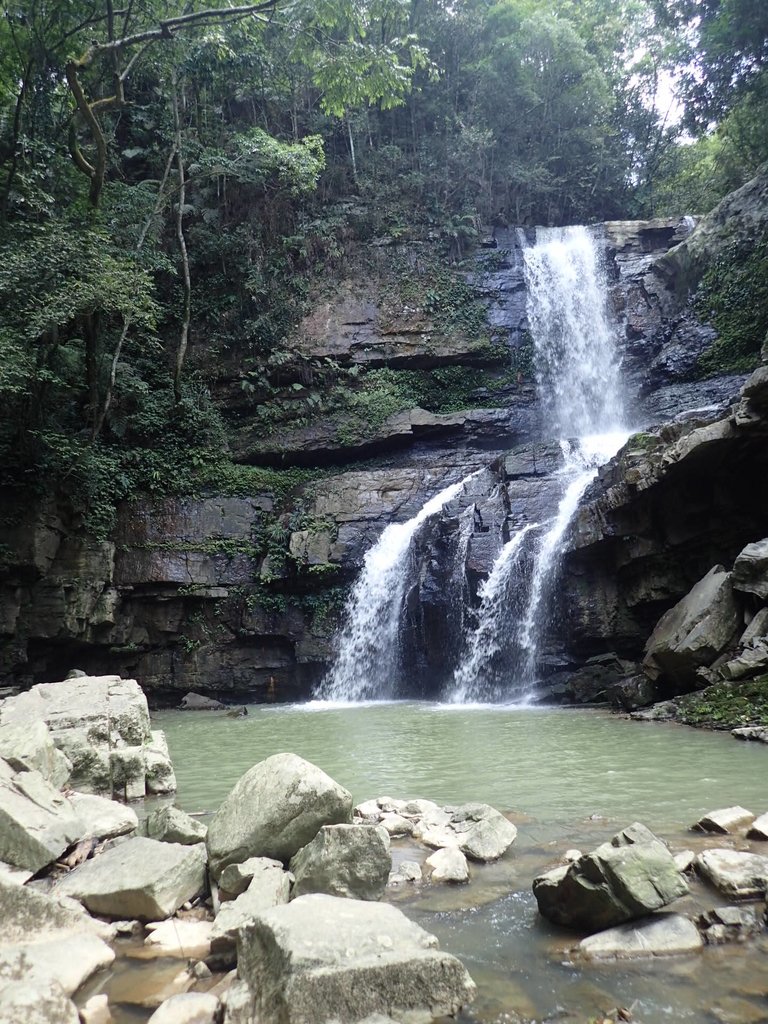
{"type": "Point", "coordinates": [567, 778]}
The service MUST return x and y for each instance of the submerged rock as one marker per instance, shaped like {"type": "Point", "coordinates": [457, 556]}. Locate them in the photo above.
{"type": "Point", "coordinates": [274, 810]}
{"type": "Point", "coordinates": [730, 924]}
{"type": "Point", "coordinates": [140, 878]}
{"type": "Point", "coordinates": [657, 935]}
{"type": "Point", "coordinates": [626, 878]}
{"type": "Point", "coordinates": [321, 959]}
{"type": "Point", "coordinates": [344, 860]}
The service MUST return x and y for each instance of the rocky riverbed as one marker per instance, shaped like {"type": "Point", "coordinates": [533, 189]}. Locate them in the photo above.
{"type": "Point", "coordinates": [286, 900]}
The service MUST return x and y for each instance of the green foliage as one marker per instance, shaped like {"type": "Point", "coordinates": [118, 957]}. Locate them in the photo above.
{"type": "Point", "coordinates": [733, 296]}
{"type": "Point", "coordinates": [727, 705]}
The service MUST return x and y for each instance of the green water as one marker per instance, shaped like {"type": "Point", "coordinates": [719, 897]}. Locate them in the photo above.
{"type": "Point", "coordinates": [569, 779]}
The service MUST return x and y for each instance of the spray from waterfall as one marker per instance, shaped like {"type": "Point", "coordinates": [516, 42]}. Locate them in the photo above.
{"type": "Point", "coordinates": [366, 666]}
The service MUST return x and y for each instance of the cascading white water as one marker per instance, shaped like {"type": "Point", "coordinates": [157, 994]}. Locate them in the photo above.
{"type": "Point", "coordinates": [470, 681]}
{"type": "Point", "coordinates": [366, 667]}
{"type": "Point", "coordinates": [577, 364]}
{"type": "Point", "coordinates": [579, 384]}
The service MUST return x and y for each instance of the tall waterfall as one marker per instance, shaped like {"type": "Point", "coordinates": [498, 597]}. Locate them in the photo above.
{"type": "Point", "coordinates": [366, 666]}
{"type": "Point", "coordinates": [579, 383]}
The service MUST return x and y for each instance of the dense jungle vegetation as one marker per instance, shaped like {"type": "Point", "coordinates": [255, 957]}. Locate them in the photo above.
{"type": "Point", "coordinates": [175, 175]}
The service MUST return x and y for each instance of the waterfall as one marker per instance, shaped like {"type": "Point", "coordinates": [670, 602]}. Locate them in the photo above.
{"type": "Point", "coordinates": [577, 365]}
{"type": "Point", "coordinates": [471, 680]}
{"type": "Point", "coordinates": [579, 384]}
{"type": "Point", "coordinates": [366, 666]}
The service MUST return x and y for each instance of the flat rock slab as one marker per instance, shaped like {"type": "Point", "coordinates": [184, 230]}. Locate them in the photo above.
{"type": "Point", "coordinates": [37, 824]}
{"type": "Point", "coordinates": [67, 961]}
{"type": "Point", "coordinates": [322, 958]}
{"type": "Point", "coordinates": [103, 818]}
{"type": "Point", "coordinates": [277, 807]}
{"type": "Point", "coordinates": [725, 821]}
{"type": "Point", "coordinates": [344, 860]}
{"type": "Point", "coordinates": [141, 878]}
{"type": "Point", "coordinates": [741, 876]}
{"type": "Point", "coordinates": [187, 1008]}
{"type": "Point", "coordinates": [657, 935]}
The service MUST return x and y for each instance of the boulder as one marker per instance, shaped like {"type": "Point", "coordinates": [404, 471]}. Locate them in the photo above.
{"type": "Point", "coordinates": [160, 776]}
{"type": "Point", "coordinates": [236, 878]}
{"type": "Point", "coordinates": [756, 733]}
{"type": "Point", "coordinates": [484, 833]}
{"type": "Point", "coordinates": [751, 661]}
{"type": "Point", "coordinates": [96, 1010]}
{"type": "Point", "coordinates": [176, 937]}
{"type": "Point", "coordinates": [626, 878]}
{"type": "Point", "coordinates": [141, 878]}
{"type": "Point", "coordinates": [657, 935]}
{"type": "Point", "coordinates": [684, 860]}
{"type": "Point", "coordinates": [198, 702]}
{"type": "Point", "coordinates": [47, 941]}
{"type": "Point", "coordinates": [101, 724]}
{"type": "Point", "coordinates": [102, 818]}
{"type": "Point", "coordinates": [739, 876]}
{"type": "Point", "coordinates": [270, 886]}
{"type": "Point", "coordinates": [321, 959]}
{"type": "Point", "coordinates": [171, 825]}
{"type": "Point", "coordinates": [34, 1002]}
{"type": "Point", "coordinates": [448, 865]}
{"type": "Point", "coordinates": [32, 743]}
{"type": "Point", "coordinates": [725, 821]}
{"type": "Point", "coordinates": [750, 570]}
{"type": "Point", "coordinates": [759, 828]}
{"type": "Point", "coordinates": [396, 825]}
{"type": "Point", "coordinates": [695, 632]}
{"type": "Point", "coordinates": [187, 1008]}
{"type": "Point", "coordinates": [274, 810]}
{"type": "Point", "coordinates": [37, 823]}
{"type": "Point", "coordinates": [729, 924]}
{"type": "Point", "coordinates": [344, 860]}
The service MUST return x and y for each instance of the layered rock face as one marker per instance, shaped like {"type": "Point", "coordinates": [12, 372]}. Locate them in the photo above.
{"type": "Point", "coordinates": [242, 595]}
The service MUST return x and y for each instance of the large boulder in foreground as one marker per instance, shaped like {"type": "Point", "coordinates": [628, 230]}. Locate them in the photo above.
{"type": "Point", "coordinates": [344, 860]}
{"type": "Point", "coordinates": [277, 807]}
{"type": "Point", "coordinates": [626, 878]}
{"type": "Point", "coordinates": [322, 958]}
{"type": "Point", "coordinates": [101, 724]}
{"type": "Point", "coordinates": [141, 878]}
{"type": "Point", "coordinates": [695, 632]}
{"type": "Point", "coordinates": [37, 823]}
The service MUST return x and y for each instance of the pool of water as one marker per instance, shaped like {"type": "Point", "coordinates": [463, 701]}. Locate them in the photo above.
{"type": "Point", "coordinates": [568, 779]}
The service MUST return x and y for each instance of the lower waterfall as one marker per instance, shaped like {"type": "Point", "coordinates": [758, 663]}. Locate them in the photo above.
{"type": "Point", "coordinates": [366, 666]}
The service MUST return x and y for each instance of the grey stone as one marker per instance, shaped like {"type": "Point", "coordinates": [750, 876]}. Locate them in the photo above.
{"type": "Point", "coordinates": [751, 661]}
{"type": "Point", "coordinates": [198, 702]}
{"type": "Point", "coordinates": [187, 1008]}
{"type": "Point", "coordinates": [32, 743]}
{"type": "Point", "coordinates": [657, 935]}
{"type": "Point", "coordinates": [160, 776]}
{"type": "Point", "coordinates": [179, 938]}
{"type": "Point", "coordinates": [759, 828]}
{"type": "Point", "coordinates": [695, 631]}
{"type": "Point", "coordinates": [484, 833]}
{"type": "Point", "coordinates": [344, 860]}
{"type": "Point", "coordinates": [738, 875]}
{"type": "Point", "coordinates": [410, 870]}
{"type": "Point", "coordinates": [725, 820]}
{"type": "Point", "coordinates": [141, 878]}
{"type": "Point", "coordinates": [171, 825]}
{"type": "Point", "coordinates": [103, 818]}
{"type": "Point", "coordinates": [32, 1001]}
{"type": "Point", "coordinates": [96, 1010]}
{"type": "Point", "coordinates": [269, 887]}
{"type": "Point", "coordinates": [37, 823]}
{"type": "Point", "coordinates": [236, 878]}
{"type": "Point", "coordinates": [448, 865]}
{"type": "Point", "coordinates": [321, 959]}
{"type": "Point", "coordinates": [684, 860]}
{"type": "Point", "coordinates": [273, 810]}
{"type": "Point", "coordinates": [750, 570]}
{"type": "Point", "coordinates": [396, 825]}
{"type": "Point", "coordinates": [629, 877]}
{"type": "Point", "coordinates": [730, 924]}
